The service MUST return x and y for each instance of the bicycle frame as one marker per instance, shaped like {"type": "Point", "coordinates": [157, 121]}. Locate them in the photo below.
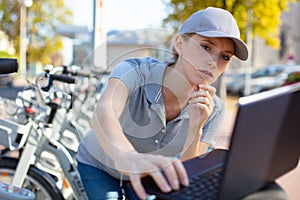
{"type": "Point", "coordinates": [36, 144]}
{"type": "Point", "coordinates": [43, 137]}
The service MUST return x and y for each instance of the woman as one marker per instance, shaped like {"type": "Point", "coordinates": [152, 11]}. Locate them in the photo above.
{"type": "Point", "coordinates": [153, 113]}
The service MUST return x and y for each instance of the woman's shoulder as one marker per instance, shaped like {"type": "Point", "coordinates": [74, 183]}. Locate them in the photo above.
{"type": "Point", "coordinates": [142, 61]}
{"type": "Point", "coordinates": [135, 72]}
{"type": "Point", "coordinates": [139, 65]}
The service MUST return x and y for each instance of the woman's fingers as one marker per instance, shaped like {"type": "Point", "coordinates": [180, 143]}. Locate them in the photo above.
{"type": "Point", "coordinates": [135, 180]}
{"type": "Point", "coordinates": [161, 181]}
{"type": "Point", "coordinates": [174, 175]}
{"type": "Point", "coordinates": [203, 95]}
{"type": "Point", "coordinates": [181, 172]}
{"type": "Point", "coordinates": [208, 88]}
{"type": "Point", "coordinates": [201, 105]}
{"type": "Point", "coordinates": [167, 164]}
{"type": "Point", "coordinates": [202, 100]}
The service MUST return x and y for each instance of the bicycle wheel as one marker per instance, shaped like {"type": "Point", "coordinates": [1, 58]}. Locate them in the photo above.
{"type": "Point", "coordinates": [36, 180]}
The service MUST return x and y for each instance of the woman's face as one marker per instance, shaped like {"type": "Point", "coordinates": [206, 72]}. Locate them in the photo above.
{"type": "Point", "coordinates": [204, 59]}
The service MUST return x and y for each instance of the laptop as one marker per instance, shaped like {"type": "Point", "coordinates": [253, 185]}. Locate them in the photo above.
{"type": "Point", "coordinates": [264, 145]}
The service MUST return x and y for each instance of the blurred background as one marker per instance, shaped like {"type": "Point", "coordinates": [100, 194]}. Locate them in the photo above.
{"type": "Point", "coordinates": [101, 32]}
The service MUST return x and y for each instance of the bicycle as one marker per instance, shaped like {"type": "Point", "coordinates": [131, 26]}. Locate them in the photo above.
{"type": "Point", "coordinates": [32, 169]}
{"type": "Point", "coordinates": [83, 98]}
{"type": "Point", "coordinates": [8, 191]}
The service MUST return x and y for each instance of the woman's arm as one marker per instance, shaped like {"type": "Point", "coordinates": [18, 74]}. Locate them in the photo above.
{"type": "Point", "coordinates": [194, 149]}
{"type": "Point", "coordinates": [105, 121]}
{"type": "Point", "coordinates": [106, 126]}
{"type": "Point", "coordinates": [201, 106]}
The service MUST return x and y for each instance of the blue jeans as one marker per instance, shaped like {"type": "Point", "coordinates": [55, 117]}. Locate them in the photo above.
{"type": "Point", "coordinates": [97, 183]}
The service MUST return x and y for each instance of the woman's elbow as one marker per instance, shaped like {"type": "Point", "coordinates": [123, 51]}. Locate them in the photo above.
{"type": "Point", "coordinates": [99, 115]}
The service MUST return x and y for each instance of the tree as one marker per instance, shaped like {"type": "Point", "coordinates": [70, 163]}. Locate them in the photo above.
{"type": "Point", "coordinates": [42, 19]}
{"type": "Point", "coordinates": [265, 19]}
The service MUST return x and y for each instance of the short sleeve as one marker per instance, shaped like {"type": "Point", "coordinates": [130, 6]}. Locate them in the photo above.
{"type": "Point", "coordinates": [128, 72]}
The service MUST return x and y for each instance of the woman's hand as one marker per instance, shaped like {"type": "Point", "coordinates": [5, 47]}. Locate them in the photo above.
{"type": "Point", "coordinates": [137, 166]}
{"type": "Point", "coordinates": [201, 105]}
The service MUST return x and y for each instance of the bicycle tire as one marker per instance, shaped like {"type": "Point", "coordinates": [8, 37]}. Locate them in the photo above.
{"type": "Point", "coordinates": [36, 180]}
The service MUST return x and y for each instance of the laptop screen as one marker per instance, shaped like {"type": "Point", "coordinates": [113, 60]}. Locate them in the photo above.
{"type": "Point", "coordinates": [264, 146]}
{"type": "Point", "coordinates": [265, 140]}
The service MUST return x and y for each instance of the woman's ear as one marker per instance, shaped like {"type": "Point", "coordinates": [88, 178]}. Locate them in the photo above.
{"type": "Point", "coordinates": [178, 44]}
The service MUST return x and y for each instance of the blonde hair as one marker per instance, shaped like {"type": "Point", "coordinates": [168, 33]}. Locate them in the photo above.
{"type": "Point", "coordinates": [173, 50]}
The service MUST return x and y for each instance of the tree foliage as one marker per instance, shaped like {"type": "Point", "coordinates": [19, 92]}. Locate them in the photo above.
{"type": "Point", "coordinates": [264, 16]}
{"type": "Point", "coordinates": [42, 19]}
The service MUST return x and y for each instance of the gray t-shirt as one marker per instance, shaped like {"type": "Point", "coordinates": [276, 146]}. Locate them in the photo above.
{"type": "Point", "coordinates": [143, 119]}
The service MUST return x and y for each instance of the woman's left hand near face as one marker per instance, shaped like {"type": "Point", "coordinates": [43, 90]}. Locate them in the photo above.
{"type": "Point", "coordinates": [201, 105]}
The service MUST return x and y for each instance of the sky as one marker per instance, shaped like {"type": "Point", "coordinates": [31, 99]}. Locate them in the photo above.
{"type": "Point", "coordinates": [120, 14]}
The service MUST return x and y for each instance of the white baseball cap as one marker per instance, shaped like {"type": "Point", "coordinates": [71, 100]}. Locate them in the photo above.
{"type": "Point", "coordinates": [216, 23]}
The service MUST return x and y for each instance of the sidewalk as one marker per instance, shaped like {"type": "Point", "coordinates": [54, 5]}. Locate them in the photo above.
{"type": "Point", "coordinates": [289, 182]}
{"type": "Point", "coordinates": [20, 82]}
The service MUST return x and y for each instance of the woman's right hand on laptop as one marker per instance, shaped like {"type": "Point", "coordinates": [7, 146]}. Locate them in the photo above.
{"type": "Point", "coordinates": [138, 165]}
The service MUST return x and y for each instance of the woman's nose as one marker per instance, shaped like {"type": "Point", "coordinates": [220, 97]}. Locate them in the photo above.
{"type": "Point", "coordinates": [212, 62]}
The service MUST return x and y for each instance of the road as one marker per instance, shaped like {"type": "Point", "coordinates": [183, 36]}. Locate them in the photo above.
{"type": "Point", "coordinates": [10, 92]}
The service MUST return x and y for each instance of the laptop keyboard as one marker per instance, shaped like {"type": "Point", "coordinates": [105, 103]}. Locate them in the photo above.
{"type": "Point", "coordinates": [201, 187]}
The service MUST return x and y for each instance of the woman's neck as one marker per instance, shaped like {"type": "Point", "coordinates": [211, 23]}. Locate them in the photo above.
{"type": "Point", "coordinates": [175, 91]}
{"type": "Point", "coordinates": [176, 83]}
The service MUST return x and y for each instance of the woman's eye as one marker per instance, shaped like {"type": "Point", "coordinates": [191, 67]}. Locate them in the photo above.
{"type": "Point", "coordinates": [225, 57]}
{"type": "Point", "coordinates": [205, 47]}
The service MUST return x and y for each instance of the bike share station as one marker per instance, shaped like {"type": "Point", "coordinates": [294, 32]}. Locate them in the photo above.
{"type": "Point", "coordinates": [34, 126]}
{"type": "Point", "coordinates": [8, 191]}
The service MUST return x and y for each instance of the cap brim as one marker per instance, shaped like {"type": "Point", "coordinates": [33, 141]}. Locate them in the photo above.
{"type": "Point", "coordinates": [241, 50]}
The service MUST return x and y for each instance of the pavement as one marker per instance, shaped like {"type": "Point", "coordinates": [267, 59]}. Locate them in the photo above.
{"type": "Point", "coordinates": [11, 92]}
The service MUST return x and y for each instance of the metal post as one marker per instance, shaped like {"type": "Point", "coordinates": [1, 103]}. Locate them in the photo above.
{"type": "Point", "coordinates": [248, 66]}
{"type": "Point", "coordinates": [24, 4]}
{"type": "Point", "coordinates": [99, 39]}
{"type": "Point", "coordinates": [23, 46]}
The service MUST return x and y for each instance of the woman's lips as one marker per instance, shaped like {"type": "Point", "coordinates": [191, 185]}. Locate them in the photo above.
{"type": "Point", "coordinates": [206, 74]}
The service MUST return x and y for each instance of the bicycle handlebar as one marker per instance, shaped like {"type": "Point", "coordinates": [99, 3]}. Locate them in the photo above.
{"type": "Point", "coordinates": [8, 65]}
{"type": "Point", "coordinates": [98, 72]}
{"type": "Point", "coordinates": [61, 78]}
{"type": "Point", "coordinates": [76, 71]}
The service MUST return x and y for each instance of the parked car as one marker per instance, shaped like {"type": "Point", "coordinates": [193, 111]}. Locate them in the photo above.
{"type": "Point", "coordinates": [235, 83]}
{"type": "Point", "coordinates": [270, 70]}
{"type": "Point", "coordinates": [6, 80]}
{"type": "Point", "coordinates": [263, 79]}
{"type": "Point", "coordinates": [291, 75]}
{"type": "Point", "coordinates": [265, 83]}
